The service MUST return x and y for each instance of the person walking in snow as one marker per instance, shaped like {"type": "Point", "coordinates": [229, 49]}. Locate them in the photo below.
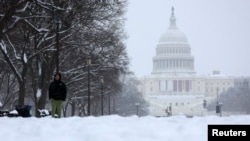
{"type": "Point", "coordinates": [57, 94]}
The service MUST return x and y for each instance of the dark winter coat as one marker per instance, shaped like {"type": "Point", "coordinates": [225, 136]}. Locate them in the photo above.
{"type": "Point", "coordinates": [57, 90]}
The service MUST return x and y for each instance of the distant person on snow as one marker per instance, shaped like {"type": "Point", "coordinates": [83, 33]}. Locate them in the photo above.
{"type": "Point", "coordinates": [57, 94]}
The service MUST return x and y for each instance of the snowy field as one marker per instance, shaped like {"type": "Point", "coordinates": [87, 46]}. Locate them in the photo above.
{"type": "Point", "coordinates": [112, 128]}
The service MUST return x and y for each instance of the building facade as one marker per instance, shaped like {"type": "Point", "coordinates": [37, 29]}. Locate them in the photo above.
{"type": "Point", "coordinates": [173, 84]}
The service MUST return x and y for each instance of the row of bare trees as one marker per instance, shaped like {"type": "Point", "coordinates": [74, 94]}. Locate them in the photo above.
{"type": "Point", "coordinates": [235, 99]}
{"type": "Point", "coordinates": [30, 30]}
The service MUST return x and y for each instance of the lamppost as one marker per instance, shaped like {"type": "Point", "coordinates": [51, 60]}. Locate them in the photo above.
{"type": "Point", "coordinates": [218, 104]}
{"type": "Point", "coordinates": [57, 22]}
{"type": "Point", "coordinates": [137, 108]}
{"type": "Point", "coordinates": [204, 104]}
{"type": "Point", "coordinates": [57, 44]}
{"type": "Point", "coordinates": [217, 95]}
{"type": "Point", "coordinates": [114, 104]}
{"type": "Point", "coordinates": [109, 103]}
{"type": "Point", "coordinates": [102, 81]}
{"type": "Point", "coordinates": [170, 109]}
{"type": "Point", "coordinates": [88, 66]}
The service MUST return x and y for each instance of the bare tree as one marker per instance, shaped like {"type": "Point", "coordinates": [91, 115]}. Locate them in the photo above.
{"type": "Point", "coordinates": [97, 33]}
{"type": "Point", "coordinates": [7, 89]}
{"type": "Point", "coordinates": [131, 101]}
{"type": "Point", "coordinates": [30, 30]}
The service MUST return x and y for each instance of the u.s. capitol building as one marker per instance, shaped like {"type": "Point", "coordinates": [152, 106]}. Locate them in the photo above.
{"type": "Point", "coordinates": [174, 82]}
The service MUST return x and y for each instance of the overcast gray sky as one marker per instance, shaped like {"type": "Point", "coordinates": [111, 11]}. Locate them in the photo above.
{"type": "Point", "coordinates": [218, 32]}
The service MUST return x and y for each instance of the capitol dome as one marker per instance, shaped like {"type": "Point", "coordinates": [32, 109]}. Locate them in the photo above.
{"type": "Point", "coordinates": [173, 36]}
{"type": "Point", "coordinates": [173, 52]}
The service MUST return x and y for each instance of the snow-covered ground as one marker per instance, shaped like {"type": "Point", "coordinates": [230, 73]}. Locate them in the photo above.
{"type": "Point", "coordinates": [112, 128]}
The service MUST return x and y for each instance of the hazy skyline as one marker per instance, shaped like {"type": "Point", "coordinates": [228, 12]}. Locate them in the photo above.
{"type": "Point", "coordinates": [217, 31]}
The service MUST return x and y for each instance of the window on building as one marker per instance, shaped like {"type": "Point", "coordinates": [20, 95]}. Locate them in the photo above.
{"type": "Point", "coordinates": [175, 85]}
{"type": "Point", "coordinates": [187, 85]}
{"type": "Point", "coordinates": [162, 85]}
{"type": "Point", "coordinates": [180, 85]}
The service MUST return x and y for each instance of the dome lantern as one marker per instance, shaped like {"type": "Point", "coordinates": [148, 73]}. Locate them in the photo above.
{"type": "Point", "coordinates": [172, 21]}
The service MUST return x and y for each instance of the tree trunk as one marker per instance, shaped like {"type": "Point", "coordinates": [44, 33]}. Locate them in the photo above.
{"type": "Point", "coordinates": [21, 93]}
{"type": "Point", "coordinates": [44, 86]}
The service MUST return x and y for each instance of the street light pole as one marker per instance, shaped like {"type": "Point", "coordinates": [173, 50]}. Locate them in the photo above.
{"type": "Point", "coordinates": [57, 45]}
{"type": "Point", "coordinates": [109, 103]}
{"type": "Point", "coordinates": [57, 22]}
{"type": "Point", "coordinates": [217, 95]}
{"type": "Point", "coordinates": [102, 81]}
{"type": "Point", "coordinates": [171, 109]}
{"type": "Point", "coordinates": [219, 104]}
{"type": "Point", "coordinates": [220, 108]}
{"type": "Point", "coordinates": [137, 108]}
{"type": "Point", "coordinates": [113, 104]}
{"type": "Point", "coordinates": [88, 65]}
